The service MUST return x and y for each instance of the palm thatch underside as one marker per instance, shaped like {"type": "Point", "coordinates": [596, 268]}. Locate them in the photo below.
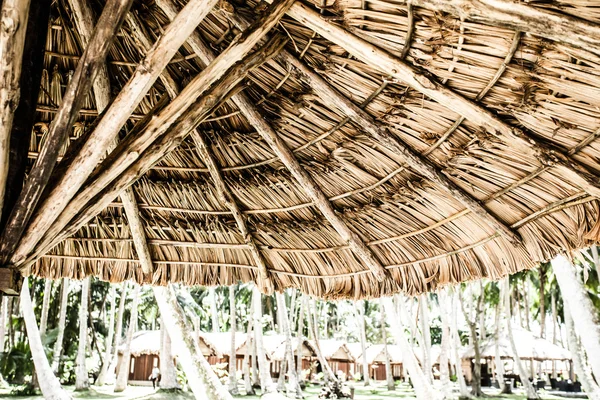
{"type": "Point", "coordinates": [364, 147]}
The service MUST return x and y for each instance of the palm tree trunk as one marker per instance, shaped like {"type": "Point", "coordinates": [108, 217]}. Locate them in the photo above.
{"type": "Point", "coordinates": [49, 384]}
{"type": "Point", "coordinates": [45, 306]}
{"type": "Point", "coordinates": [264, 370]}
{"type": "Point", "coordinates": [526, 303]}
{"type": "Point", "coordinates": [247, 359]}
{"type": "Point", "coordinates": [472, 324]}
{"type": "Point", "coordinates": [291, 368]}
{"type": "Point", "coordinates": [584, 373]}
{"type": "Point", "coordinates": [201, 378]}
{"type": "Point", "coordinates": [585, 318]}
{"type": "Point", "coordinates": [3, 322]}
{"type": "Point", "coordinates": [464, 392]}
{"type": "Point", "coordinates": [109, 339]}
{"type": "Point", "coordinates": [423, 390]}
{"type": "Point", "coordinates": [391, 385]}
{"type": "Point", "coordinates": [554, 328]}
{"type": "Point", "coordinates": [542, 273]}
{"type": "Point", "coordinates": [312, 325]}
{"type": "Point", "coordinates": [168, 373]}
{"type": "Point", "coordinates": [300, 338]}
{"type": "Point", "coordinates": [529, 390]}
{"type": "Point", "coordinates": [359, 306]}
{"type": "Point", "coordinates": [112, 367]}
{"type": "Point", "coordinates": [82, 382]}
{"type": "Point", "coordinates": [497, 359]}
{"type": "Point", "coordinates": [445, 345]}
{"type": "Point", "coordinates": [426, 335]}
{"type": "Point", "coordinates": [123, 375]}
{"type": "Point", "coordinates": [233, 387]}
{"type": "Point", "coordinates": [62, 317]}
{"type": "Point", "coordinates": [212, 298]}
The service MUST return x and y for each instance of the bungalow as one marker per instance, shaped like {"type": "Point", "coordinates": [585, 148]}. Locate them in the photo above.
{"type": "Point", "coordinates": [275, 350]}
{"type": "Point", "coordinates": [376, 356]}
{"type": "Point", "coordinates": [221, 342]}
{"type": "Point", "coordinates": [337, 355]}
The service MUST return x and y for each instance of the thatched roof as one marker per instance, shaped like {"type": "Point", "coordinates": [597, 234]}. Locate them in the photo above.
{"type": "Point", "coordinates": [221, 341]}
{"type": "Point", "coordinates": [275, 347]}
{"type": "Point", "coordinates": [376, 354]}
{"type": "Point", "coordinates": [334, 349]}
{"type": "Point", "coordinates": [529, 346]}
{"type": "Point", "coordinates": [148, 342]}
{"type": "Point", "coordinates": [389, 147]}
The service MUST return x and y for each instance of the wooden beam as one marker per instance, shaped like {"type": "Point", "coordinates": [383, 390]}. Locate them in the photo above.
{"type": "Point", "coordinates": [24, 118]}
{"type": "Point", "coordinates": [130, 149]}
{"type": "Point", "coordinates": [310, 186]}
{"type": "Point", "coordinates": [13, 18]}
{"type": "Point", "coordinates": [78, 88]}
{"type": "Point", "coordinates": [224, 194]}
{"type": "Point", "coordinates": [81, 212]}
{"type": "Point", "coordinates": [476, 114]}
{"type": "Point", "coordinates": [94, 148]}
{"type": "Point", "coordinates": [84, 22]}
{"type": "Point", "coordinates": [375, 130]}
{"type": "Point", "coordinates": [265, 282]}
{"type": "Point", "coordinates": [523, 17]}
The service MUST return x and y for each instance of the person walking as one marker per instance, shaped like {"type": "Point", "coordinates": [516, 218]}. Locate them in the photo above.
{"type": "Point", "coordinates": [154, 377]}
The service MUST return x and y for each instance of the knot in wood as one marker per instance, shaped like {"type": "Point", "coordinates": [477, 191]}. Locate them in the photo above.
{"type": "Point", "coordinates": [10, 21]}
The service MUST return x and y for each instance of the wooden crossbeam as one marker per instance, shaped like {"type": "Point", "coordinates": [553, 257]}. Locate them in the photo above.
{"type": "Point", "coordinates": [97, 142]}
{"type": "Point", "coordinates": [306, 181]}
{"type": "Point", "coordinates": [197, 111]}
{"type": "Point", "coordinates": [24, 117]}
{"type": "Point", "coordinates": [223, 192]}
{"type": "Point", "coordinates": [522, 17]}
{"type": "Point", "coordinates": [382, 60]}
{"type": "Point", "coordinates": [375, 130]}
{"type": "Point", "coordinates": [84, 22]}
{"type": "Point", "coordinates": [78, 88]}
{"type": "Point", "coordinates": [13, 17]}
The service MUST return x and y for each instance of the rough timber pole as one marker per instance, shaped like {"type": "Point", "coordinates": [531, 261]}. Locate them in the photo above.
{"type": "Point", "coordinates": [476, 114]}
{"type": "Point", "coordinates": [24, 118]}
{"type": "Point", "coordinates": [522, 17]}
{"type": "Point", "coordinates": [77, 90]}
{"type": "Point", "coordinates": [368, 125]}
{"type": "Point", "coordinates": [310, 186]}
{"type": "Point", "coordinates": [118, 161]}
{"type": "Point", "coordinates": [84, 21]}
{"type": "Point", "coordinates": [13, 26]}
{"type": "Point", "coordinates": [81, 212]}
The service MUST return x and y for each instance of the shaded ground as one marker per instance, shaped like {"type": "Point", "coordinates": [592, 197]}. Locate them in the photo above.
{"type": "Point", "coordinates": [375, 392]}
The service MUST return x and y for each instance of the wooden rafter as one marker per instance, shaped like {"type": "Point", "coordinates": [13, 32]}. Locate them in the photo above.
{"type": "Point", "coordinates": [81, 212]}
{"type": "Point", "coordinates": [13, 17]}
{"type": "Point", "coordinates": [78, 88]}
{"type": "Point", "coordinates": [24, 117]}
{"type": "Point", "coordinates": [382, 60]}
{"type": "Point", "coordinates": [523, 17]}
{"type": "Point", "coordinates": [84, 22]}
{"type": "Point", "coordinates": [102, 137]}
{"type": "Point", "coordinates": [307, 182]}
{"type": "Point", "coordinates": [225, 195]}
{"type": "Point", "coordinates": [375, 130]}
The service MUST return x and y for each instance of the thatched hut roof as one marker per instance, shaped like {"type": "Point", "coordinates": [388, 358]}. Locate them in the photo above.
{"type": "Point", "coordinates": [221, 341]}
{"type": "Point", "coordinates": [376, 354]}
{"type": "Point", "coordinates": [529, 347]}
{"type": "Point", "coordinates": [391, 146]}
{"type": "Point", "coordinates": [334, 349]}
{"type": "Point", "coordinates": [275, 347]}
{"type": "Point", "coordinates": [148, 342]}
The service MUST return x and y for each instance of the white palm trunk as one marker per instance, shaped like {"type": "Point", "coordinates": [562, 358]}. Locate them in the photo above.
{"type": "Point", "coordinates": [426, 334]}
{"type": "Point", "coordinates": [62, 318]}
{"type": "Point", "coordinates": [300, 338]}
{"type": "Point", "coordinates": [45, 306]}
{"type": "Point", "coordinates": [109, 339]}
{"type": "Point", "coordinates": [585, 317]}
{"type": "Point", "coordinates": [445, 345]}
{"type": "Point", "coordinates": [49, 384]}
{"type": "Point", "coordinates": [112, 367]}
{"type": "Point", "coordinates": [584, 372]}
{"type": "Point", "coordinates": [82, 382]}
{"type": "Point", "coordinates": [529, 389]}
{"type": "Point", "coordinates": [391, 385]}
{"type": "Point", "coordinates": [312, 326]}
{"type": "Point", "coordinates": [266, 383]}
{"type": "Point", "coordinates": [123, 375]}
{"type": "Point", "coordinates": [3, 322]}
{"type": "Point", "coordinates": [201, 378]}
{"type": "Point", "coordinates": [497, 359]}
{"type": "Point", "coordinates": [289, 355]}
{"type": "Point", "coordinates": [249, 345]}
{"type": "Point", "coordinates": [212, 298]}
{"type": "Point", "coordinates": [233, 386]}
{"type": "Point", "coordinates": [423, 390]}
{"type": "Point", "coordinates": [359, 306]}
{"type": "Point", "coordinates": [462, 385]}
{"type": "Point", "coordinates": [168, 373]}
